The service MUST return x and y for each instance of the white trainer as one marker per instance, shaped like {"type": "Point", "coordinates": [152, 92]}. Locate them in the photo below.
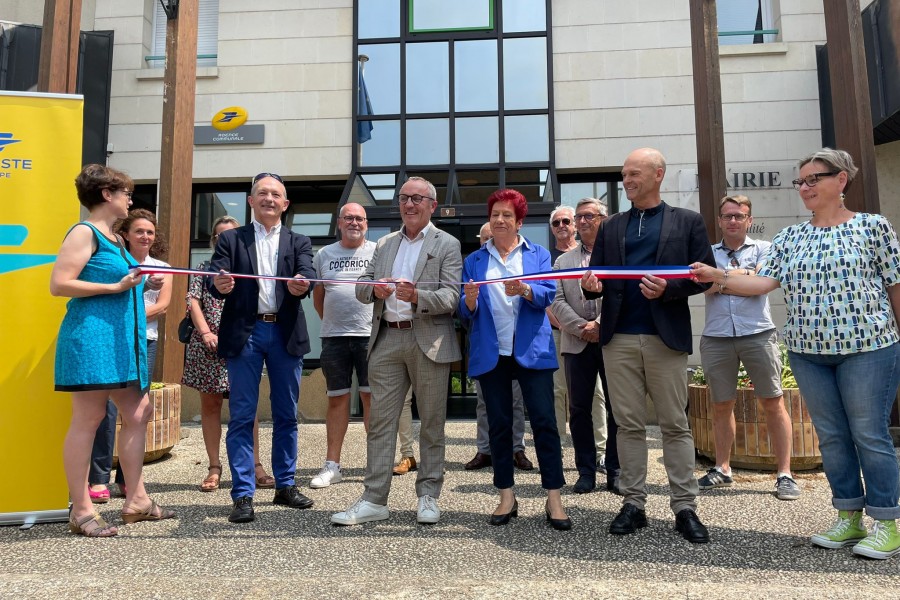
{"type": "Point", "coordinates": [428, 510]}
{"type": "Point", "coordinates": [330, 473]}
{"type": "Point", "coordinates": [361, 511]}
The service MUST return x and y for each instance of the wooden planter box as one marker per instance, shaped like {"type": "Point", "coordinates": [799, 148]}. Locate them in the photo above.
{"type": "Point", "coordinates": [164, 428]}
{"type": "Point", "coordinates": [752, 448]}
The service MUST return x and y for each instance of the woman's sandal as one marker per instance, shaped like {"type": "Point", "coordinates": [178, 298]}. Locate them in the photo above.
{"type": "Point", "coordinates": [211, 483]}
{"type": "Point", "coordinates": [98, 496]}
{"type": "Point", "coordinates": [265, 482]}
{"type": "Point", "coordinates": [154, 512]}
{"type": "Point", "coordinates": [92, 525]}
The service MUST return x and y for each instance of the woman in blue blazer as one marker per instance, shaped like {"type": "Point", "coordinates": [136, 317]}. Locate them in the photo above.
{"type": "Point", "coordinates": [510, 339]}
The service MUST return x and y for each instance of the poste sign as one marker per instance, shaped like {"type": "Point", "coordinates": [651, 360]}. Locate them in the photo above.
{"type": "Point", "coordinates": [229, 118]}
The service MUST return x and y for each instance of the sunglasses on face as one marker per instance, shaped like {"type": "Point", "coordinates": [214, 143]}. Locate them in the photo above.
{"type": "Point", "coordinates": [564, 221]}
{"type": "Point", "coordinates": [264, 175]}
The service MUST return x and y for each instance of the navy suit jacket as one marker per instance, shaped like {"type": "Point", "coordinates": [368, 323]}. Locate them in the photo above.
{"type": "Point", "coordinates": [682, 241]}
{"type": "Point", "coordinates": [236, 253]}
{"type": "Point", "coordinates": [533, 346]}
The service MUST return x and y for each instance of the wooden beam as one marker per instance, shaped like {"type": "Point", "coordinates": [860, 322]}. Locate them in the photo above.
{"type": "Point", "coordinates": [708, 110]}
{"type": "Point", "coordinates": [850, 99]}
{"type": "Point", "coordinates": [58, 66]}
{"type": "Point", "coordinates": [175, 172]}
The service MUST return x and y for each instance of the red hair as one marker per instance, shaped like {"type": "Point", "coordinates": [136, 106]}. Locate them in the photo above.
{"type": "Point", "coordinates": [519, 204]}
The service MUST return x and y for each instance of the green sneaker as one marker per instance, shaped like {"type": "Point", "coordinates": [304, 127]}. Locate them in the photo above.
{"type": "Point", "coordinates": [883, 542]}
{"type": "Point", "coordinates": [845, 532]}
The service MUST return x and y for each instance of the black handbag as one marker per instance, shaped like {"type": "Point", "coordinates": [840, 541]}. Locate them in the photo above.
{"type": "Point", "coordinates": [185, 330]}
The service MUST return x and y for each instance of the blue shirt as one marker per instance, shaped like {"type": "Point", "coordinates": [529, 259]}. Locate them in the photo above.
{"type": "Point", "coordinates": [505, 309]}
{"type": "Point", "coordinates": [728, 315]}
{"type": "Point", "coordinates": [641, 242]}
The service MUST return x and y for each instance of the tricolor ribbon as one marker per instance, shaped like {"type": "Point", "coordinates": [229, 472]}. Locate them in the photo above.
{"type": "Point", "coordinates": [664, 272]}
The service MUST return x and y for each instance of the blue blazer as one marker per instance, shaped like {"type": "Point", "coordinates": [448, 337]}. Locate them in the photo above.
{"type": "Point", "coordinates": [533, 346]}
{"type": "Point", "coordinates": [236, 253]}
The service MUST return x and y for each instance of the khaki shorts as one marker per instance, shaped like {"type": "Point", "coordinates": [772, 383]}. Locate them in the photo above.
{"type": "Point", "coordinates": [759, 353]}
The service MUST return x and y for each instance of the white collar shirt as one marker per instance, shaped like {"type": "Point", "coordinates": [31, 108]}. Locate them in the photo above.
{"type": "Point", "coordinates": [504, 309]}
{"type": "Point", "coordinates": [404, 267]}
{"type": "Point", "coordinates": [266, 261]}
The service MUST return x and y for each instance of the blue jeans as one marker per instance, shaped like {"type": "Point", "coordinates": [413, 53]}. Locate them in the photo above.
{"type": "Point", "coordinates": [265, 343]}
{"type": "Point", "coordinates": [849, 398]}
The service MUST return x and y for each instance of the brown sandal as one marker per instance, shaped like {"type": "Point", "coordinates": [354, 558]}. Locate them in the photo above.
{"type": "Point", "coordinates": [211, 483]}
{"type": "Point", "coordinates": [92, 525]}
{"type": "Point", "coordinates": [154, 512]}
{"type": "Point", "coordinates": [265, 482]}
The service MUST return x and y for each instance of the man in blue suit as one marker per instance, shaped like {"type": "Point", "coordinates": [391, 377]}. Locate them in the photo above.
{"type": "Point", "coordinates": [263, 321]}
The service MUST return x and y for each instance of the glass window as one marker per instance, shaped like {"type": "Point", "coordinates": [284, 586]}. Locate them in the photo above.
{"type": "Point", "coordinates": [538, 233]}
{"type": "Point", "coordinates": [742, 16]}
{"type": "Point", "coordinates": [474, 187]}
{"type": "Point", "coordinates": [437, 178]}
{"type": "Point", "coordinates": [379, 18]}
{"type": "Point", "coordinates": [381, 186]}
{"type": "Point", "coordinates": [478, 140]}
{"type": "Point", "coordinates": [383, 148]}
{"type": "Point", "coordinates": [527, 138]}
{"type": "Point", "coordinates": [382, 75]}
{"type": "Point", "coordinates": [312, 224]}
{"type": "Point", "coordinates": [525, 73]}
{"type": "Point", "coordinates": [427, 141]}
{"type": "Point", "coordinates": [524, 15]}
{"type": "Point", "coordinates": [441, 15]}
{"type": "Point", "coordinates": [207, 34]}
{"type": "Point", "coordinates": [531, 182]}
{"type": "Point", "coordinates": [475, 75]}
{"type": "Point", "coordinates": [427, 77]}
{"type": "Point", "coordinates": [605, 191]}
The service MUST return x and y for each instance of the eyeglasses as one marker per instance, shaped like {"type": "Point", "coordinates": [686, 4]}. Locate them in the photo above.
{"type": "Point", "coordinates": [739, 217]}
{"type": "Point", "coordinates": [128, 194]}
{"type": "Point", "coordinates": [589, 217]}
{"type": "Point", "coordinates": [813, 178]}
{"type": "Point", "coordinates": [353, 219]}
{"type": "Point", "coordinates": [264, 175]}
{"type": "Point", "coordinates": [416, 199]}
{"type": "Point", "coordinates": [734, 261]}
{"type": "Point", "coordinates": [564, 221]}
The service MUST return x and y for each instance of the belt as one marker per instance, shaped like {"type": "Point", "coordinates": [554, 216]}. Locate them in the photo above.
{"type": "Point", "coordinates": [267, 317]}
{"type": "Point", "coordinates": [399, 324]}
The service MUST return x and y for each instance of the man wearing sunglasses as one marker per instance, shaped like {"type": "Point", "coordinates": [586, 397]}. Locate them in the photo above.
{"type": "Point", "coordinates": [263, 322]}
{"type": "Point", "coordinates": [413, 341]}
{"type": "Point", "coordinates": [740, 329]}
{"type": "Point", "coordinates": [562, 226]}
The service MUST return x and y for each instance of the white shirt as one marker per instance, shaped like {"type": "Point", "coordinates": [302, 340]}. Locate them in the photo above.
{"type": "Point", "coordinates": [504, 309]}
{"type": "Point", "coordinates": [150, 298]}
{"type": "Point", "coordinates": [266, 259]}
{"type": "Point", "coordinates": [404, 268]}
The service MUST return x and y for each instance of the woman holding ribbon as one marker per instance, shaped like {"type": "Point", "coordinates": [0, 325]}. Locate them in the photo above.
{"type": "Point", "coordinates": [510, 339]}
{"type": "Point", "coordinates": [101, 349]}
{"type": "Point", "coordinates": [840, 273]}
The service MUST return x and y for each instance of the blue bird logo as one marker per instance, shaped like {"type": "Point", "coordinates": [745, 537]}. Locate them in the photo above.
{"type": "Point", "coordinates": [14, 235]}
{"type": "Point", "coordinates": [6, 139]}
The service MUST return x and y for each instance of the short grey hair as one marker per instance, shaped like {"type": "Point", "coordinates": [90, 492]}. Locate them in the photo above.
{"type": "Point", "coordinates": [601, 207]}
{"type": "Point", "coordinates": [835, 160]}
{"type": "Point", "coordinates": [560, 209]}
{"type": "Point", "coordinates": [431, 191]}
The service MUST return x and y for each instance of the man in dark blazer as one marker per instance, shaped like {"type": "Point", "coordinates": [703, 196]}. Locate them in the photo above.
{"type": "Point", "coordinates": [645, 330]}
{"type": "Point", "coordinates": [263, 321]}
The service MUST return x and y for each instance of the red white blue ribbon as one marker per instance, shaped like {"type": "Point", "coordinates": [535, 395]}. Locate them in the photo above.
{"type": "Point", "coordinates": [664, 272]}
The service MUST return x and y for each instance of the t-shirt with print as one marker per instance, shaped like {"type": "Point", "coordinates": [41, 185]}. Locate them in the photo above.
{"type": "Point", "coordinates": [343, 314]}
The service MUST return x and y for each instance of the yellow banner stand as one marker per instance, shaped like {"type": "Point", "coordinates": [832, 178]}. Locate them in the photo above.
{"type": "Point", "coordinates": [40, 155]}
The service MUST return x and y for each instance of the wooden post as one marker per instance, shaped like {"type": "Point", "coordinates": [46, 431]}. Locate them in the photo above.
{"type": "Point", "coordinates": [175, 172]}
{"type": "Point", "coordinates": [708, 110]}
{"type": "Point", "coordinates": [58, 67]}
{"type": "Point", "coordinates": [850, 100]}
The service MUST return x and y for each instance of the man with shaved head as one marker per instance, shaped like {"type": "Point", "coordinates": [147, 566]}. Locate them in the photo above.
{"type": "Point", "coordinates": [645, 331]}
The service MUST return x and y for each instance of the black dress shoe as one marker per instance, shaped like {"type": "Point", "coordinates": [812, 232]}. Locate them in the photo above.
{"type": "Point", "coordinates": [521, 461]}
{"type": "Point", "coordinates": [242, 511]}
{"type": "Point", "coordinates": [291, 496]}
{"type": "Point", "coordinates": [504, 518]}
{"type": "Point", "coordinates": [688, 524]}
{"type": "Point", "coordinates": [557, 524]}
{"type": "Point", "coordinates": [479, 462]}
{"type": "Point", "coordinates": [630, 519]}
{"type": "Point", "coordinates": [584, 485]}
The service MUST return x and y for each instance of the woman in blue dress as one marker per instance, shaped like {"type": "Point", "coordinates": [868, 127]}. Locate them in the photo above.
{"type": "Point", "coordinates": [102, 350]}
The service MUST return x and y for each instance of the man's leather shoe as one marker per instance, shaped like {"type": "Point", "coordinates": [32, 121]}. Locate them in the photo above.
{"type": "Point", "coordinates": [479, 462]}
{"type": "Point", "coordinates": [291, 496]}
{"type": "Point", "coordinates": [630, 519]}
{"type": "Point", "coordinates": [688, 524]}
{"type": "Point", "coordinates": [242, 511]}
{"type": "Point", "coordinates": [584, 485]}
{"type": "Point", "coordinates": [406, 464]}
{"type": "Point", "coordinates": [612, 483]}
{"type": "Point", "coordinates": [521, 461]}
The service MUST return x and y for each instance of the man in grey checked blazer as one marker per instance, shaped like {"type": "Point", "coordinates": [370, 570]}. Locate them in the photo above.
{"type": "Point", "coordinates": [413, 341]}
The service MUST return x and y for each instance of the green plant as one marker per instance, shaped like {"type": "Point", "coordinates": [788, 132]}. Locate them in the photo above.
{"type": "Point", "coordinates": [156, 385]}
{"type": "Point", "coordinates": [743, 380]}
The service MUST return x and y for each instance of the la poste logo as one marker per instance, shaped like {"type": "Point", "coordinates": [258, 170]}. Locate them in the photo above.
{"type": "Point", "coordinates": [229, 118]}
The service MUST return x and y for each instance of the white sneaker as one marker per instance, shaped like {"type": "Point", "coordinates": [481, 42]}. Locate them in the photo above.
{"type": "Point", "coordinates": [428, 510]}
{"type": "Point", "coordinates": [330, 473]}
{"type": "Point", "coordinates": [362, 511]}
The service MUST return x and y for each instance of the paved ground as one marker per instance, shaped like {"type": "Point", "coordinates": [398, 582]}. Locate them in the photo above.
{"type": "Point", "coordinates": [759, 545]}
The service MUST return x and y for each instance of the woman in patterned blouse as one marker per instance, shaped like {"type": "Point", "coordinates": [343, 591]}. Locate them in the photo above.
{"type": "Point", "coordinates": [840, 273]}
